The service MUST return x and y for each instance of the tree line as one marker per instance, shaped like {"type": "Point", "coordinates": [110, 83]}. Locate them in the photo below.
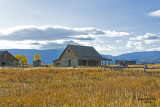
{"type": "Point", "coordinates": [23, 59]}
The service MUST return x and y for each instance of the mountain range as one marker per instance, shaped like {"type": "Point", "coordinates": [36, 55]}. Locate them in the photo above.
{"type": "Point", "coordinates": [48, 55]}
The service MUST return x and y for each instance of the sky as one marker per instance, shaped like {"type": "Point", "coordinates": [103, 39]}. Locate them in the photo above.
{"type": "Point", "coordinates": [112, 27]}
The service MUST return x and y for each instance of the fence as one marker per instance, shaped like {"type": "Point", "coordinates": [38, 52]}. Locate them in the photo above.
{"type": "Point", "coordinates": [121, 67]}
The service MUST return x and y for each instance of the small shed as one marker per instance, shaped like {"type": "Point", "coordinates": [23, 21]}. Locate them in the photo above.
{"type": "Point", "coordinates": [37, 63]}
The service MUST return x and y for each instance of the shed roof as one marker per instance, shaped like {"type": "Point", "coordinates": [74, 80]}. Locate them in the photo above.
{"type": "Point", "coordinates": [85, 52]}
{"type": "Point", "coordinates": [56, 60]}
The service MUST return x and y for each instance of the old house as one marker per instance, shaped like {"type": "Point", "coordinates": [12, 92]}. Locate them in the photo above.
{"type": "Point", "coordinates": [6, 59]}
{"type": "Point", "coordinates": [75, 55]}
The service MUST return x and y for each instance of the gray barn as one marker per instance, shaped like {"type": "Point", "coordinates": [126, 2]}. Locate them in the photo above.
{"type": "Point", "coordinates": [125, 62]}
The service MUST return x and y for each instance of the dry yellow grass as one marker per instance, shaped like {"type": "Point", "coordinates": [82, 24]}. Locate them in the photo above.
{"type": "Point", "coordinates": [87, 87]}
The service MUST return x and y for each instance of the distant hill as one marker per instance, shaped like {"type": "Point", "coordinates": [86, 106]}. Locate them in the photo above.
{"type": "Point", "coordinates": [48, 55]}
{"type": "Point", "coordinates": [140, 55]}
{"type": "Point", "coordinates": [149, 61]}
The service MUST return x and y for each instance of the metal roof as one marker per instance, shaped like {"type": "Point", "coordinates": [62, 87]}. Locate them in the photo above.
{"type": "Point", "coordinates": [106, 59]}
{"type": "Point", "coordinates": [1, 52]}
{"type": "Point", "coordinates": [85, 52]}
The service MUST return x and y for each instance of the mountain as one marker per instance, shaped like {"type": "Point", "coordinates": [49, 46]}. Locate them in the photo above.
{"type": "Point", "coordinates": [48, 55]}
{"type": "Point", "coordinates": [140, 55]}
{"type": "Point", "coordinates": [149, 61]}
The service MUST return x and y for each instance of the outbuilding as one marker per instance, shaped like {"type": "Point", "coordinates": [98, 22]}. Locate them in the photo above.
{"type": "Point", "coordinates": [125, 62]}
{"type": "Point", "coordinates": [37, 63]}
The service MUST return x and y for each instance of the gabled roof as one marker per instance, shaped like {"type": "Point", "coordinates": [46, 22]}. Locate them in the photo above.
{"type": "Point", "coordinates": [85, 52]}
{"type": "Point", "coordinates": [1, 52]}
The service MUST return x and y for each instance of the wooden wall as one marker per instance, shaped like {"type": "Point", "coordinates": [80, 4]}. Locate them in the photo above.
{"type": "Point", "coordinates": [8, 59]}
{"type": "Point", "coordinates": [68, 53]}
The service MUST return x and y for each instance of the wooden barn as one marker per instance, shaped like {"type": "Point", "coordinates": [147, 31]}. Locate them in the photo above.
{"type": "Point", "coordinates": [6, 59]}
{"type": "Point", "coordinates": [125, 62]}
{"type": "Point", "coordinates": [75, 55]}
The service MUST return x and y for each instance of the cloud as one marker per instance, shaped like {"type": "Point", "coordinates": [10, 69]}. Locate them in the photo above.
{"type": "Point", "coordinates": [53, 37]}
{"type": "Point", "coordinates": [51, 33]}
{"type": "Point", "coordinates": [153, 49]}
{"type": "Point", "coordinates": [151, 41]}
{"type": "Point", "coordinates": [114, 33]}
{"type": "Point", "coordinates": [148, 38]}
{"type": "Point", "coordinates": [134, 45]}
{"type": "Point", "coordinates": [119, 41]}
{"type": "Point", "coordinates": [56, 44]}
{"type": "Point", "coordinates": [154, 13]}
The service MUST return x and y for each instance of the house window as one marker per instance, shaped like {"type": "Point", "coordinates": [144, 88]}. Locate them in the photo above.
{"type": "Point", "coordinates": [68, 51]}
{"type": "Point", "coordinates": [57, 64]}
{"type": "Point", "coordinates": [3, 63]}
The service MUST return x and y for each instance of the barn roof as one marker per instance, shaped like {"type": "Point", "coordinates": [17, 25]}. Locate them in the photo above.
{"type": "Point", "coordinates": [85, 52]}
{"type": "Point", "coordinates": [1, 52]}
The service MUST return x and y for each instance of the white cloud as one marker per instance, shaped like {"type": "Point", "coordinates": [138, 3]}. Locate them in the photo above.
{"type": "Point", "coordinates": [134, 45]}
{"type": "Point", "coordinates": [148, 38]}
{"type": "Point", "coordinates": [55, 32]}
{"type": "Point", "coordinates": [51, 37]}
{"type": "Point", "coordinates": [119, 41]}
{"type": "Point", "coordinates": [151, 41]}
{"type": "Point", "coordinates": [153, 49]}
{"type": "Point", "coordinates": [155, 13]}
{"type": "Point", "coordinates": [114, 33]}
{"type": "Point", "coordinates": [18, 45]}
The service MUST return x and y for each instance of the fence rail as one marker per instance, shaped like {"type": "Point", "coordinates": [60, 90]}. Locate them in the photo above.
{"type": "Point", "coordinates": [121, 67]}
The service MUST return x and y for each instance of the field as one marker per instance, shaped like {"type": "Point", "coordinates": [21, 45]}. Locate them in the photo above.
{"type": "Point", "coordinates": [86, 87]}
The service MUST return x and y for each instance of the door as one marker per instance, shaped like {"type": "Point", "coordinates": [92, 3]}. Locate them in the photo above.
{"type": "Point", "coordinates": [69, 63]}
{"type": "Point", "coordinates": [3, 64]}
{"type": "Point", "coordinates": [84, 62]}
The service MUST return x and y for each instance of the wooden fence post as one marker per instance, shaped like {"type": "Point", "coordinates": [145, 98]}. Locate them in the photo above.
{"type": "Point", "coordinates": [105, 68]}
{"type": "Point", "coordinates": [145, 67]}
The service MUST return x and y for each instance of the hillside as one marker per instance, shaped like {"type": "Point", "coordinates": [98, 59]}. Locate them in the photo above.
{"type": "Point", "coordinates": [48, 55]}
{"type": "Point", "coordinates": [140, 55]}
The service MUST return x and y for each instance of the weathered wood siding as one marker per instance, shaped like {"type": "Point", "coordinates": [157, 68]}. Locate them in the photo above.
{"type": "Point", "coordinates": [8, 59]}
{"type": "Point", "coordinates": [57, 63]}
{"type": "Point", "coordinates": [64, 62]}
{"type": "Point", "coordinates": [68, 53]}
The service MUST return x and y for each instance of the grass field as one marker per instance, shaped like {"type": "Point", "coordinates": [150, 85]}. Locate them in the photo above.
{"type": "Point", "coordinates": [86, 87]}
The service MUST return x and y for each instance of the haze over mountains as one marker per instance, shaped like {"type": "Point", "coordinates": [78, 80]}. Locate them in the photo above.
{"type": "Point", "coordinates": [48, 55]}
